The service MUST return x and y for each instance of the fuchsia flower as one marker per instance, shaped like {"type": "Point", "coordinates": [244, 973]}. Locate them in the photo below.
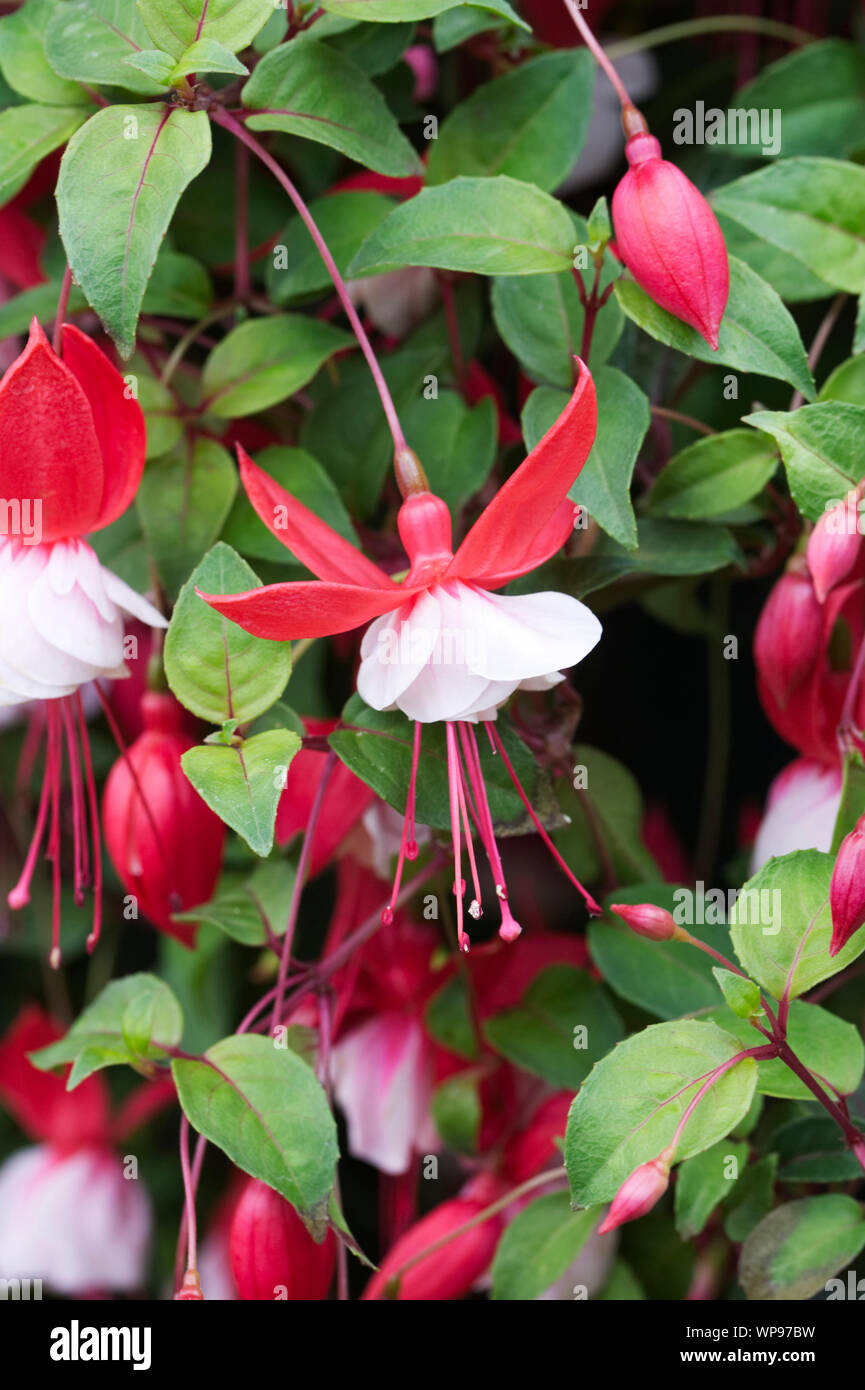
{"type": "Point", "coordinates": [800, 813]}
{"type": "Point", "coordinates": [68, 1214]}
{"type": "Point", "coordinates": [151, 814]}
{"type": "Point", "coordinates": [847, 892]}
{"type": "Point", "coordinates": [443, 647]}
{"type": "Point", "coordinates": [272, 1254]}
{"type": "Point", "coordinates": [72, 441]}
{"type": "Point", "coordinates": [668, 236]}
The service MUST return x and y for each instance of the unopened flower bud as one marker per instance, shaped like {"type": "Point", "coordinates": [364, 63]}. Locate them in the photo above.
{"type": "Point", "coordinates": [639, 1193]}
{"type": "Point", "coordinates": [272, 1253]}
{"type": "Point", "coordinates": [834, 545]}
{"type": "Point", "coordinates": [789, 635]}
{"type": "Point", "coordinates": [669, 238]}
{"type": "Point", "coordinates": [847, 893]}
{"type": "Point", "coordinates": [647, 920]}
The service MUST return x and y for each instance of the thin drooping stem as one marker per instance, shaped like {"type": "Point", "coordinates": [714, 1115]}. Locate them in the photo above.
{"type": "Point", "coordinates": [242, 281]}
{"type": "Point", "coordinates": [821, 337]}
{"type": "Point", "coordinates": [62, 305]}
{"type": "Point", "coordinates": [598, 53]}
{"type": "Point", "coordinates": [189, 1191]}
{"type": "Point", "coordinates": [665, 414]}
{"type": "Point", "coordinates": [230, 122]}
{"type": "Point", "coordinates": [712, 24]}
{"type": "Point", "coordinates": [297, 891]}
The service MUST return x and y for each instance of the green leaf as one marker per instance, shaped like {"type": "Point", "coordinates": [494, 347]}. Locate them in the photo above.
{"type": "Point", "coordinates": [622, 1286]}
{"type": "Point", "coordinates": [667, 978]}
{"type": "Point", "coordinates": [376, 49]}
{"type": "Point", "coordinates": [602, 803]}
{"type": "Point", "coordinates": [377, 746]}
{"type": "Point", "coordinates": [630, 1105]}
{"type": "Point", "coordinates": [828, 1046]}
{"type": "Point", "coordinates": [448, 1019]}
{"type": "Point", "coordinates": [819, 89]}
{"type": "Point", "coordinates": [134, 1019]}
{"type": "Point", "coordinates": [703, 1183]}
{"type": "Point", "coordinates": [561, 1027]}
{"type": "Point", "coordinates": [603, 485]}
{"type": "Point", "coordinates": [814, 209]}
{"type": "Point", "coordinates": [394, 11]}
{"type": "Point", "coordinates": [781, 925]}
{"type": "Point", "coordinates": [757, 333]}
{"type": "Point", "coordinates": [716, 475]}
{"type": "Point", "coordinates": [813, 1149]}
{"type": "Point", "coordinates": [23, 61]}
{"type": "Point", "coordinates": [27, 135]}
{"type": "Point", "coordinates": [153, 63]}
{"type": "Point", "coordinates": [312, 90]}
{"type": "Point", "coordinates": [345, 220]}
{"type": "Point", "coordinates": [245, 909]}
{"type": "Point", "coordinates": [175, 26]}
{"type": "Point", "coordinates": [164, 427]}
{"type": "Point", "coordinates": [531, 123]}
{"type": "Point", "coordinates": [821, 446]}
{"type": "Point", "coordinates": [751, 1198]}
{"type": "Point", "coordinates": [800, 1245]}
{"type": "Point", "coordinates": [304, 478]}
{"type": "Point", "coordinates": [262, 1105]}
{"type": "Point", "coordinates": [541, 1242]}
{"type": "Point", "coordinates": [789, 278]}
{"type": "Point", "coordinates": [457, 1112]}
{"type": "Point", "coordinates": [215, 669]}
{"type": "Point", "coordinates": [846, 383]}
{"type": "Point", "coordinates": [183, 500]}
{"type": "Point", "coordinates": [120, 180]}
{"type": "Point", "coordinates": [243, 783]}
{"type": "Point", "coordinates": [676, 549]}
{"type": "Point", "coordinates": [541, 321]}
{"type": "Point", "coordinates": [457, 443]}
{"type": "Point", "coordinates": [495, 226]}
{"type": "Point", "coordinates": [89, 40]}
{"type": "Point", "coordinates": [852, 807]}
{"type": "Point", "coordinates": [179, 287]}
{"type": "Point", "coordinates": [207, 55]}
{"type": "Point", "coordinates": [742, 995]}
{"type": "Point", "coordinates": [264, 360]}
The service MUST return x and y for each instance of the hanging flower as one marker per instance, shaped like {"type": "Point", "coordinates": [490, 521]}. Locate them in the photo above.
{"type": "Point", "coordinates": [69, 1214]}
{"type": "Point", "coordinates": [72, 441]}
{"type": "Point", "coordinates": [443, 647]}
{"type": "Point", "coordinates": [151, 814]}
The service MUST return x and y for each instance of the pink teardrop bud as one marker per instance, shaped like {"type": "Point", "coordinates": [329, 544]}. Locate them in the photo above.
{"type": "Point", "coordinates": [834, 545]}
{"type": "Point", "coordinates": [847, 892]}
{"type": "Point", "coordinates": [670, 240]}
{"type": "Point", "coordinates": [647, 920]}
{"type": "Point", "coordinates": [789, 635]}
{"type": "Point", "coordinates": [639, 1193]}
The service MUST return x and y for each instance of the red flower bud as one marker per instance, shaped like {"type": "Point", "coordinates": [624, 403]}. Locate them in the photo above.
{"type": "Point", "coordinates": [834, 545]}
{"type": "Point", "coordinates": [647, 920]}
{"type": "Point", "coordinates": [450, 1271]}
{"type": "Point", "coordinates": [639, 1193]}
{"type": "Point", "coordinates": [670, 240]}
{"type": "Point", "coordinates": [789, 635]}
{"type": "Point", "coordinates": [530, 1151]}
{"type": "Point", "coordinates": [272, 1253]}
{"type": "Point", "coordinates": [847, 892]}
{"type": "Point", "coordinates": [167, 850]}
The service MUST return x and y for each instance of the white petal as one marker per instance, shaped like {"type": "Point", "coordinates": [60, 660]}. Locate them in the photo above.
{"type": "Point", "coordinates": [800, 811]}
{"type": "Point", "coordinates": [524, 636]}
{"type": "Point", "coordinates": [135, 604]}
{"type": "Point", "coordinates": [383, 1082]}
{"type": "Point", "coordinates": [396, 648]}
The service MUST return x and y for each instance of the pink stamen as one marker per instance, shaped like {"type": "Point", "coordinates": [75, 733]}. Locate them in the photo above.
{"type": "Point", "coordinates": [475, 905]}
{"type": "Point", "coordinates": [453, 788]}
{"type": "Point", "coordinates": [510, 928]}
{"type": "Point", "coordinates": [19, 896]}
{"type": "Point", "coordinates": [29, 751]}
{"type": "Point", "coordinates": [53, 768]}
{"type": "Point", "coordinates": [497, 744]}
{"type": "Point", "coordinates": [79, 810]}
{"type": "Point", "coordinates": [95, 830]}
{"type": "Point", "coordinates": [408, 845]}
